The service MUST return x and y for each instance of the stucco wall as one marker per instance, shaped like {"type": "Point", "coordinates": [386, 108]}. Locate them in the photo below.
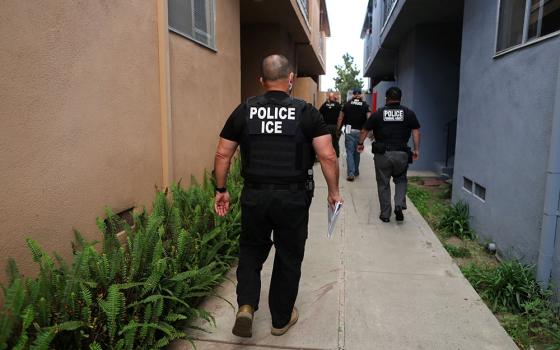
{"type": "Point", "coordinates": [80, 125]}
{"type": "Point", "coordinates": [428, 75]}
{"type": "Point", "coordinates": [306, 89]}
{"type": "Point", "coordinates": [257, 42]}
{"type": "Point", "coordinates": [406, 69]}
{"type": "Point", "coordinates": [205, 89]}
{"type": "Point", "coordinates": [436, 89]}
{"type": "Point", "coordinates": [505, 115]}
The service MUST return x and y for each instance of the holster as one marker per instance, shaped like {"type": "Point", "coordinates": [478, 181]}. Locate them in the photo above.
{"type": "Point", "coordinates": [409, 152]}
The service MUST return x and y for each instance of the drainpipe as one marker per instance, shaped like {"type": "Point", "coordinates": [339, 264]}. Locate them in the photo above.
{"type": "Point", "coordinates": [165, 94]}
{"type": "Point", "coordinates": [551, 198]}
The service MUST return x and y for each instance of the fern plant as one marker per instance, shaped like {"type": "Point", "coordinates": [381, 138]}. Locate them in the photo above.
{"type": "Point", "coordinates": [138, 295]}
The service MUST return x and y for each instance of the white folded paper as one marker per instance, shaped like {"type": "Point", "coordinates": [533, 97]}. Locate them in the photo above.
{"type": "Point", "coordinates": [332, 214]}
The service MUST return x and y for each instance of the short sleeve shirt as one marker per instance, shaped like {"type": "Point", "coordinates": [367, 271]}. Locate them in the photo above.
{"type": "Point", "coordinates": [384, 115]}
{"type": "Point", "coordinates": [355, 113]}
{"type": "Point", "coordinates": [330, 111]}
{"type": "Point", "coordinates": [311, 123]}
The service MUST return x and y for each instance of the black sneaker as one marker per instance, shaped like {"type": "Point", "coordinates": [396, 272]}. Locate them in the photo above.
{"type": "Point", "coordinates": [384, 219]}
{"type": "Point", "coordinates": [399, 214]}
{"type": "Point", "coordinates": [350, 178]}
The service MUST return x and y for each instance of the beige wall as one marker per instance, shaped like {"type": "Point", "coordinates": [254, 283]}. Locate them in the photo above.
{"type": "Point", "coordinates": [316, 34]}
{"type": "Point", "coordinates": [80, 125]}
{"type": "Point", "coordinates": [205, 89]}
{"type": "Point", "coordinates": [306, 89]}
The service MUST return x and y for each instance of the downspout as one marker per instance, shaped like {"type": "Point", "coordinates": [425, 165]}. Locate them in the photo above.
{"type": "Point", "coordinates": [165, 93]}
{"type": "Point", "coordinates": [551, 198]}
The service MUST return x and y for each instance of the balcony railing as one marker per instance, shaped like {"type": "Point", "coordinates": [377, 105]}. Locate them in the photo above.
{"type": "Point", "coordinates": [304, 7]}
{"type": "Point", "coordinates": [368, 49]}
{"type": "Point", "coordinates": [387, 9]}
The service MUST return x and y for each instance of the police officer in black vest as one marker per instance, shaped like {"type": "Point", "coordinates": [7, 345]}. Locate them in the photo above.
{"type": "Point", "coordinates": [392, 126]}
{"type": "Point", "coordinates": [279, 136]}
{"type": "Point", "coordinates": [330, 111]}
{"type": "Point", "coordinates": [354, 115]}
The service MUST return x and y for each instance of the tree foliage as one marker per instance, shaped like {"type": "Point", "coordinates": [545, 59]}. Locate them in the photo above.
{"type": "Point", "coordinates": [347, 76]}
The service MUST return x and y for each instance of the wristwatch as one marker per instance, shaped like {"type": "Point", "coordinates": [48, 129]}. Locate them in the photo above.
{"type": "Point", "coordinates": [220, 189]}
{"type": "Point", "coordinates": [360, 143]}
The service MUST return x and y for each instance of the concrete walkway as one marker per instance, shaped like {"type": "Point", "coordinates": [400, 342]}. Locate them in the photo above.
{"type": "Point", "coordinates": [372, 286]}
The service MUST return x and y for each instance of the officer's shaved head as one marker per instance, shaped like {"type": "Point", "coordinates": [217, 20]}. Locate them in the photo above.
{"type": "Point", "coordinates": [275, 67]}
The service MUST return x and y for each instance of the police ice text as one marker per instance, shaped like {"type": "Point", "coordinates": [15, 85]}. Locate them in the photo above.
{"type": "Point", "coordinates": [272, 117]}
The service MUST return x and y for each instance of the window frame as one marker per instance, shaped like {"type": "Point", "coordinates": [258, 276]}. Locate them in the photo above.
{"type": "Point", "coordinates": [192, 38]}
{"type": "Point", "coordinates": [468, 190]}
{"type": "Point", "coordinates": [524, 41]}
{"type": "Point", "coordinates": [475, 194]}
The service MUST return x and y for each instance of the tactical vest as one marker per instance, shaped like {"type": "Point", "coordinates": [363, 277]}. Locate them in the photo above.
{"type": "Point", "coordinates": [276, 150]}
{"type": "Point", "coordinates": [393, 130]}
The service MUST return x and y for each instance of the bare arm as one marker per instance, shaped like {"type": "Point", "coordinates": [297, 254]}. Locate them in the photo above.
{"type": "Point", "coordinates": [416, 140]}
{"type": "Point", "coordinates": [224, 154]}
{"type": "Point", "coordinates": [329, 165]}
{"type": "Point", "coordinates": [363, 135]}
{"type": "Point", "coordinates": [340, 120]}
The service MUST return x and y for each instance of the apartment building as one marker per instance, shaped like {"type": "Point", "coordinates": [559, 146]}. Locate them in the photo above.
{"type": "Point", "coordinates": [104, 101]}
{"type": "Point", "coordinates": [483, 77]}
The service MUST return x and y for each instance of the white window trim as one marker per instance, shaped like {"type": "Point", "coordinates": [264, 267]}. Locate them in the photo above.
{"type": "Point", "coordinates": [528, 43]}
{"type": "Point", "coordinates": [213, 19]}
{"type": "Point", "coordinates": [525, 42]}
{"type": "Point", "coordinates": [480, 199]}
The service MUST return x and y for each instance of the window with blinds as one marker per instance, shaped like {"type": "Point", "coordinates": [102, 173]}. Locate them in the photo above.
{"type": "Point", "coordinates": [193, 19]}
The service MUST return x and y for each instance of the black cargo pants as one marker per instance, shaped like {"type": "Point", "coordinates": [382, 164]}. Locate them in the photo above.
{"type": "Point", "coordinates": [286, 213]}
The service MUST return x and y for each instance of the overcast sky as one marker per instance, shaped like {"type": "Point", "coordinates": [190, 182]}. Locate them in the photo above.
{"type": "Point", "coordinates": [346, 18]}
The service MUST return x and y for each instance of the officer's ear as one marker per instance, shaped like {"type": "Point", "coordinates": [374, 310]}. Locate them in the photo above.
{"type": "Point", "coordinates": [262, 81]}
{"type": "Point", "coordinates": [291, 78]}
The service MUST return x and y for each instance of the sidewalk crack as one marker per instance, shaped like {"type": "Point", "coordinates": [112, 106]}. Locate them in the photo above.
{"type": "Point", "coordinates": [342, 284]}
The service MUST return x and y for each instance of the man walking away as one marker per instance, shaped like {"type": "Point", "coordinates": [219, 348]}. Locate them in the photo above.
{"type": "Point", "coordinates": [354, 114]}
{"type": "Point", "coordinates": [330, 111]}
{"type": "Point", "coordinates": [392, 126]}
{"type": "Point", "coordinates": [278, 135]}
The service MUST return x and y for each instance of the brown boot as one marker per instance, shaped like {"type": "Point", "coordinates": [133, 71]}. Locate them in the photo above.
{"type": "Point", "coordinates": [293, 320]}
{"type": "Point", "coordinates": [243, 326]}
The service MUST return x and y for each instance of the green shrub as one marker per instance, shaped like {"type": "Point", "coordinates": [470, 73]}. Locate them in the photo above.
{"type": "Point", "coordinates": [138, 295]}
{"type": "Point", "coordinates": [457, 252]}
{"type": "Point", "coordinates": [507, 287]}
{"type": "Point", "coordinates": [535, 324]}
{"type": "Point", "coordinates": [525, 310]}
{"type": "Point", "coordinates": [455, 221]}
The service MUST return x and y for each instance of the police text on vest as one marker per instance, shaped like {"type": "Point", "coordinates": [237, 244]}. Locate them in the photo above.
{"type": "Point", "coordinates": [272, 117]}
{"type": "Point", "coordinates": [393, 115]}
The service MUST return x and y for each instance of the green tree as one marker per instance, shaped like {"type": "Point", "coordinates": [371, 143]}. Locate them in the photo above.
{"type": "Point", "coordinates": [347, 76]}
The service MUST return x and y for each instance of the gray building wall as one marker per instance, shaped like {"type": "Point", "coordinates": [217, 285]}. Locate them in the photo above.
{"type": "Point", "coordinates": [381, 89]}
{"type": "Point", "coordinates": [504, 121]}
{"type": "Point", "coordinates": [427, 72]}
{"type": "Point", "coordinates": [435, 89]}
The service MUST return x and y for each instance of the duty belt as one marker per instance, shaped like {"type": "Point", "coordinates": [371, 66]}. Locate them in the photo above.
{"type": "Point", "coordinates": [263, 186]}
{"type": "Point", "coordinates": [397, 148]}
